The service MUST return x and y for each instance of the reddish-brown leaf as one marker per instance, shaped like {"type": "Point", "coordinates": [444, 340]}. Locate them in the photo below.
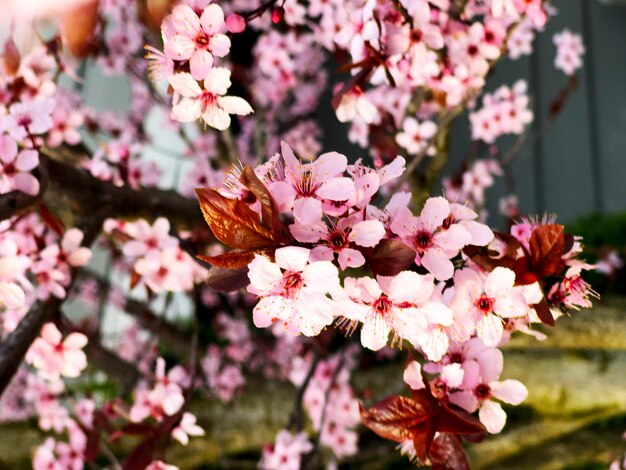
{"type": "Point", "coordinates": [447, 453]}
{"type": "Point", "coordinates": [53, 222]}
{"type": "Point", "coordinates": [269, 209]}
{"type": "Point", "coordinates": [78, 25]}
{"type": "Point", "coordinates": [11, 57]}
{"type": "Point", "coordinates": [543, 312]}
{"type": "Point", "coordinates": [389, 257]}
{"type": "Point", "coordinates": [233, 222]}
{"type": "Point", "coordinates": [227, 280]}
{"type": "Point", "coordinates": [394, 417]}
{"type": "Point", "coordinates": [489, 260]}
{"type": "Point", "coordinates": [546, 246]}
{"type": "Point", "coordinates": [231, 260]}
{"type": "Point", "coordinates": [135, 277]}
{"type": "Point", "coordinates": [93, 444]}
{"type": "Point", "coordinates": [142, 456]}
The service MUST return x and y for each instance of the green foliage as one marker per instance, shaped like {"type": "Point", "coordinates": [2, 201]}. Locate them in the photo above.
{"type": "Point", "coordinates": [600, 230]}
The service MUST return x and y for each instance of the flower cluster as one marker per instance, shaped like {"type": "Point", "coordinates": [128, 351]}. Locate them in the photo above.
{"type": "Point", "coordinates": [156, 257]}
{"type": "Point", "coordinates": [570, 50]}
{"type": "Point", "coordinates": [505, 111]}
{"type": "Point", "coordinates": [192, 39]}
{"type": "Point", "coordinates": [442, 282]}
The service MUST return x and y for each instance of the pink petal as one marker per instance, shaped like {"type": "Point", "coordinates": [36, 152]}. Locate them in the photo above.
{"type": "Point", "coordinates": [308, 233]}
{"type": "Point", "coordinates": [212, 18]}
{"type": "Point", "coordinates": [216, 118]}
{"type": "Point", "coordinates": [179, 47]}
{"type": "Point", "coordinates": [75, 341]}
{"type": "Point", "coordinates": [218, 80]}
{"type": "Point", "coordinates": [336, 189]}
{"type": "Point", "coordinates": [235, 105]}
{"type": "Point", "coordinates": [453, 239]}
{"type": "Point", "coordinates": [452, 375]}
{"type": "Point", "coordinates": [329, 165]}
{"type": "Point", "coordinates": [367, 233]}
{"type": "Point", "coordinates": [185, 20]}
{"type": "Point", "coordinates": [219, 45]}
{"type": "Point", "coordinates": [200, 63]}
{"type": "Point", "coordinates": [8, 149]}
{"type": "Point", "coordinates": [264, 275]}
{"type": "Point", "coordinates": [185, 84]}
{"type": "Point", "coordinates": [435, 211]}
{"type": "Point", "coordinates": [321, 276]}
{"type": "Point", "coordinates": [489, 329]}
{"type": "Point", "coordinates": [307, 210]}
{"type": "Point", "coordinates": [438, 264]}
{"type": "Point", "coordinates": [492, 416]}
{"type": "Point", "coordinates": [413, 376]}
{"type": "Point", "coordinates": [500, 280]}
{"type": "Point", "coordinates": [26, 183]}
{"type": "Point", "coordinates": [292, 258]}
{"type": "Point", "coordinates": [512, 392]}
{"type": "Point", "coordinates": [404, 287]}
{"type": "Point", "coordinates": [27, 160]}
{"type": "Point", "coordinates": [374, 334]}
{"type": "Point", "coordinates": [349, 258]}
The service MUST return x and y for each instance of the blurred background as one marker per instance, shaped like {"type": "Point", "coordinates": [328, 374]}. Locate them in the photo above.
{"type": "Point", "coordinates": [573, 165]}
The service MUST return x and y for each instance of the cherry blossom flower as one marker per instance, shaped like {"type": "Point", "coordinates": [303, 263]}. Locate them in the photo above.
{"type": "Point", "coordinates": [16, 167]}
{"type": "Point", "coordinates": [490, 300]}
{"type": "Point", "coordinates": [305, 187]}
{"type": "Point", "coordinates": [434, 244]}
{"type": "Point", "coordinates": [338, 238]}
{"type": "Point", "coordinates": [192, 102]}
{"type": "Point", "coordinates": [570, 50]}
{"type": "Point", "coordinates": [56, 357]}
{"type": "Point", "coordinates": [186, 428]}
{"type": "Point", "coordinates": [33, 118]}
{"type": "Point", "coordinates": [197, 39]}
{"type": "Point", "coordinates": [287, 451]}
{"type": "Point", "coordinates": [480, 386]}
{"type": "Point", "coordinates": [387, 305]}
{"type": "Point", "coordinates": [293, 290]}
{"type": "Point", "coordinates": [416, 137]}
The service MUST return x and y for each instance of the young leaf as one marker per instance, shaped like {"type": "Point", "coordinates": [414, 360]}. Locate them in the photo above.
{"type": "Point", "coordinates": [389, 257]}
{"type": "Point", "coordinates": [233, 222]}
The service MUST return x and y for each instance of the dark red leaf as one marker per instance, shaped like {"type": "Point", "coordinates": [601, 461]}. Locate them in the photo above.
{"type": "Point", "coordinates": [93, 445]}
{"type": "Point", "coordinates": [269, 208]}
{"type": "Point", "coordinates": [546, 249]}
{"type": "Point", "coordinates": [231, 260]}
{"type": "Point", "coordinates": [142, 456]}
{"type": "Point", "coordinates": [447, 453]}
{"type": "Point", "coordinates": [389, 257]}
{"type": "Point", "coordinates": [543, 312]}
{"type": "Point", "coordinates": [233, 222]}
{"type": "Point", "coordinates": [394, 417]}
{"type": "Point", "coordinates": [227, 280]}
{"type": "Point", "coordinates": [135, 277]}
{"type": "Point", "coordinates": [132, 429]}
{"type": "Point", "coordinates": [11, 57]}
{"type": "Point", "coordinates": [52, 221]}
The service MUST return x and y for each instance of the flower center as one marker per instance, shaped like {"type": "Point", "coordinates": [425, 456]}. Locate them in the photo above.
{"type": "Point", "coordinates": [207, 100]}
{"type": "Point", "coordinates": [423, 239]}
{"type": "Point", "coordinates": [202, 40]}
{"type": "Point", "coordinates": [472, 50]}
{"type": "Point", "coordinates": [482, 392]}
{"type": "Point", "coordinates": [416, 35]}
{"type": "Point", "coordinates": [292, 281]}
{"type": "Point", "coordinates": [484, 304]}
{"type": "Point", "coordinates": [382, 305]}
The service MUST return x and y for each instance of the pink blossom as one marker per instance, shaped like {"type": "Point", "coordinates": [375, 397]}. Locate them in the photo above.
{"type": "Point", "coordinates": [433, 243]}
{"type": "Point", "coordinates": [187, 427]}
{"type": "Point", "coordinates": [293, 290]}
{"type": "Point", "coordinates": [386, 305]}
{"type": "Point", "coordinates": [197, 39]}
{"type": "Point", "coordinates": [16, 167]}
{"type": "Point", "coordinates": [305, 187]}
{"type": "Point", "coordinates": [56, 357]}
{"type": "Point", "coordinates": [416, 137]}
{"type": "Point", "coordinates": [34, 117]}
{"type": "Point", "coordinates": [570, 50]}
{"type": "Point", "coordinates": [192, 102]}
{"type": "Point", "coordinates": [489, 301]}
